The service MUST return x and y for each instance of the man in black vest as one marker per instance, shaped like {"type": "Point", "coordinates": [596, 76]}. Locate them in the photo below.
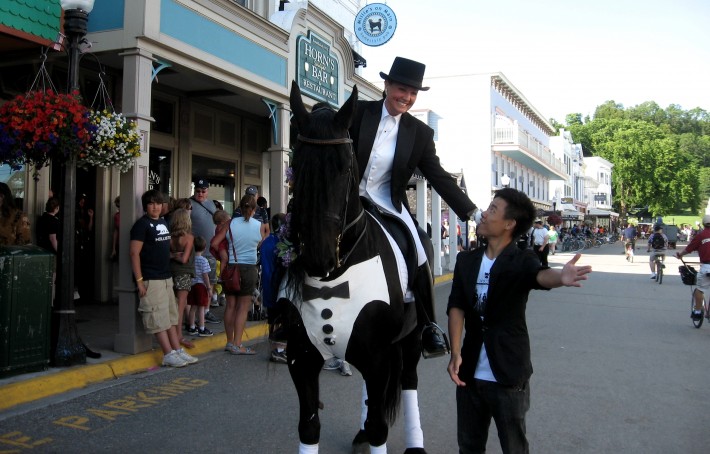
{"type": "Point", "coordinates": [488, 295]}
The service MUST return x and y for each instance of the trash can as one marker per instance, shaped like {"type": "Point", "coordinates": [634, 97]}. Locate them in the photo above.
{"type": "Point", "coordinates": [25, 308]}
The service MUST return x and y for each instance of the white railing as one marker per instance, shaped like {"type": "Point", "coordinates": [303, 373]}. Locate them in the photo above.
{"type": "Point", "coordinates": [506, 135]}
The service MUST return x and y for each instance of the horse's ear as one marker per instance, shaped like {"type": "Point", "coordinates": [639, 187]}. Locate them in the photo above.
{"type": "Point", "coordinates": [299, 110]}
{"type": "Point", "coordinates": [344, 117]}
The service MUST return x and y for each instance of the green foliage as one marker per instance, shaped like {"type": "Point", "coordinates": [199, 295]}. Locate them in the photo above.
{"type": "Point", "coordinates": [661, 157]}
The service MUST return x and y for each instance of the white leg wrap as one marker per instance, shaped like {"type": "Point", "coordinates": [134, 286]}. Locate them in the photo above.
{"type": "Point", "coordinates": [363, 406]}
{"type": "Point", "coordinates": [413, 435]}
{"type": "Point", "coordinates": [378, 449]}
{"type": "Point", "coordinates": [307, 449]}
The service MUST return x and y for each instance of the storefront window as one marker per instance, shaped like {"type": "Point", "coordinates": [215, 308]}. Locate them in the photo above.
{"type": "Point", "coordinates": [221, 177]}
{"type": "Point", "coordinates": [159, 167]}
{"type": "Point", "coordinates": [15, 179]}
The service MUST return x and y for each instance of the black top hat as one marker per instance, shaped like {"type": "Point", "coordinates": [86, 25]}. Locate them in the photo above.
{"type": "Point", "coordinates": [407, 72]}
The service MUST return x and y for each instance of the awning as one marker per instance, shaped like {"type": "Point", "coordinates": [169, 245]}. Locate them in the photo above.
{"type": "Point", "coordinates": [572, 214]}
{"type": "Point", "coordinates": [598, 212]}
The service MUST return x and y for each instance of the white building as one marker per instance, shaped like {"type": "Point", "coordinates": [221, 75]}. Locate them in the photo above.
{"type": "Point", "coordinates": [487, 128]}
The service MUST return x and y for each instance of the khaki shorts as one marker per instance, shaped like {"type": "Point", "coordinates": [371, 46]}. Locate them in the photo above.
{"type": "Point", "coordinates": [704, 284]}
{"type": "Point", "coordinates": [158, 307]}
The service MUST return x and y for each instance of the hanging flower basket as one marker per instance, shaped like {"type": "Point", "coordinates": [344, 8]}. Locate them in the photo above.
{"type": "Point", "coordinates": [115, 142]}
{"type": "Point", "coordinates": [42, 126]}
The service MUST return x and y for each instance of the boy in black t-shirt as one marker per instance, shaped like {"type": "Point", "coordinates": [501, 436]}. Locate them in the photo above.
{"type": "Point", "coordinates": [150, 261]}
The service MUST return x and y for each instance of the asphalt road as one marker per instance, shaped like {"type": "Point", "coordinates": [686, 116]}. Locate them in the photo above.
{"type": "Point", "coordinates": [618, 368]}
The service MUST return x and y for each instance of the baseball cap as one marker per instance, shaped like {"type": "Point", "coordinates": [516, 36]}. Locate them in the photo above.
{"type": "Point", "coordinates": [251, 190]}
{"type": "Point", "coordinates": [706, 219]}
{"type": "Point", "coordinates": [201, 183]}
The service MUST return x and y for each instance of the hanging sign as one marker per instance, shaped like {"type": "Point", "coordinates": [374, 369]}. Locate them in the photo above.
{"type": "Point", "coordinates": [317, 68]}
{"type": "Point", "coordinates": [375, 24]}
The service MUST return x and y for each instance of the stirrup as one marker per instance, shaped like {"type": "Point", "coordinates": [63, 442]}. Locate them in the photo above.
{"type": "Point", "coordinates": [434, 341]}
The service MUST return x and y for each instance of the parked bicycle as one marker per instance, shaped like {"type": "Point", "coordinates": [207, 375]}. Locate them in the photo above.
{"type": "Point", "coordinates": [689, 276]}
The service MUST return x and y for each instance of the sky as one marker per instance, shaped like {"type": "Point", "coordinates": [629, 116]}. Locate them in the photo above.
{"type": "Point", "coordinates": [564, 56]}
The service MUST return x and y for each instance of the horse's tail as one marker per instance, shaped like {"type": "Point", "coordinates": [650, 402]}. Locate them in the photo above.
{"type": "Point", "coordinates": [393, 391]}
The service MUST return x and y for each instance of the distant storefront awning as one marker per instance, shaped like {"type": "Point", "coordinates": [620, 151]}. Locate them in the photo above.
{"type": "Point", "coordinates": [601, 213]}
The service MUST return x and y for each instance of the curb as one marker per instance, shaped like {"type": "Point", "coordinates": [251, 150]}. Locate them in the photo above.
{"type": "Point", "coordinates": [27, 391]}
{"type": "Point", "coordinates": [82, 376]}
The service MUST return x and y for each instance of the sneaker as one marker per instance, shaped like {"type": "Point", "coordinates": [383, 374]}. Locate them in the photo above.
{"type": "Point", "coordinates": [345, 369]}
{"type": "Point", "coordinates": [653, 276]}
{"type": "Point", "coordinates": [210, 318]}
{"type": "Point", "coordinates": [173, 359]}
{"type": "Point", "coordinates": [278, 356]}
{"type": "Point", "coordinates": [204, 332]}
{"type": "Point", "coordinates": [192, 331]}
{"type": "Point", "coordinates": [222, 299]}
{"type": "Point", "coordinates": [332, 364]}
{"type": "Point", "coordinates": [185, 356]}
{"type": "Point", "coordinates": [214, 303]}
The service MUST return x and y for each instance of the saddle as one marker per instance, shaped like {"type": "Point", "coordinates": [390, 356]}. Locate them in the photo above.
{"type": "Point", "coordinates": [399, 232]}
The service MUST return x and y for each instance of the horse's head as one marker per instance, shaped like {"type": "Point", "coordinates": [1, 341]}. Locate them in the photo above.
{"type": "Point", "coordinates": [325, 179]}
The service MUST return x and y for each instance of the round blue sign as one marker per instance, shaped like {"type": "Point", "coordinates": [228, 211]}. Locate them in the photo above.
{"type": "Point", "coordinates": [375, 24]}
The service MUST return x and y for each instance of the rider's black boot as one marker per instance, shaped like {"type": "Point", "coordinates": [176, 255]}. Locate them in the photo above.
{"type": "Point", "coordinates": [434, 340]}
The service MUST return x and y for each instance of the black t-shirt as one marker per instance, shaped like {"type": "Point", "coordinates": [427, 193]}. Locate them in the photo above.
{"type": "Point", "coordinates": [155, 254]}
{"type": "Point", "coordinates": [47, 224]}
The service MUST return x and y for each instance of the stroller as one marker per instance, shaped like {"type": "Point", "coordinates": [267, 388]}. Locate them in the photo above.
{"type": "Point", "coordinates": [257, 311]}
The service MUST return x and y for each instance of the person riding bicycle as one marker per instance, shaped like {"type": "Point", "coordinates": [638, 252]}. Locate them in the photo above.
{"type": "Point", "coordinates": [629, 236]}
{"type": "Point", "coordinates": [657, 245]}
{"type": "Point", "coordinates": [700, 243]}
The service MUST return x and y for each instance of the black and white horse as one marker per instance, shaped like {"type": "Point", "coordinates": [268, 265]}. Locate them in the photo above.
{"type": "Point", "coordinates": [345, 287]}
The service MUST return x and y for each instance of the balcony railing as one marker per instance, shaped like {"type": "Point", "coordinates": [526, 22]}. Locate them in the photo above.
{"type": "Point", "coordinates": [515, 135]}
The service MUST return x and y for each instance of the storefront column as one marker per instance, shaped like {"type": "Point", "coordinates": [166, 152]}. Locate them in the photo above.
{"type": "Point", "coordinates": [436, 231]}
{"type": "Point", "coordinates": [278, 156]}
{"type": "Point", "coordinates": [421, 203]}
{"type": "Point", "coordinates": [137, 77]}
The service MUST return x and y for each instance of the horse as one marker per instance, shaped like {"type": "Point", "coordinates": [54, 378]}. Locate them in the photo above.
{"type": "Point", "coordinates": [344, 292]}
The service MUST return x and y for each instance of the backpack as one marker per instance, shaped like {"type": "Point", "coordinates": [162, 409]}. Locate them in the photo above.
{"type": "Point", "coordinates": [657, 242]}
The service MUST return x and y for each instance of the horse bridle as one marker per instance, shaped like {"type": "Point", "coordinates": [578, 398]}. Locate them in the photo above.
{"type": "Point", "coordinates": [344, 227]}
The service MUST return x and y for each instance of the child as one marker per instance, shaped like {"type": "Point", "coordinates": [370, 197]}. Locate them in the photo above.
{"type": "Point", "coordinates": [150, 262]}
{"type": "Point", "coordinates": [268, 294]}
{"type": "Point", "coordinates": [221, 221]}
{"type": "Point", "coordinates": [182, 265]}
{"type": "Point", "coordinates": [199, 295]}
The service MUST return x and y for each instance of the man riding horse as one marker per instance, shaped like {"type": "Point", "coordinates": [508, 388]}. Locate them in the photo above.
{"type": "Point", "coordinates": [389, 144]}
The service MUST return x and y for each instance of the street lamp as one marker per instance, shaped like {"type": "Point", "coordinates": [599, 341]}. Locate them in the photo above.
{"type": "Point", "coordinates": [505, 179]}
{"type": "Point", "coordinates": [70, 349]}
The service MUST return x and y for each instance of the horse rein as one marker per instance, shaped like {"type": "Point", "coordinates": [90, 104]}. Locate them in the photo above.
{"type": "Point", "coordinates": [344, 228]}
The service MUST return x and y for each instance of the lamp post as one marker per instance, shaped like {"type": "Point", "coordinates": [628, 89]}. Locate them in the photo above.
{"type": "Point", "coordinates": [70, 349]}
{"type": "Point", "coordinates": [505, 180]}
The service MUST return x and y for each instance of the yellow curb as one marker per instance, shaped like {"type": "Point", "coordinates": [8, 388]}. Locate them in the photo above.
{"type": "Point", "coordinates": [443, 278]}
{"type": "Point", "coordinates": [33, 389]}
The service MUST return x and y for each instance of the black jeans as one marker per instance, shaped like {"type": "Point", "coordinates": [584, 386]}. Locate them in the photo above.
{"type": "Point", "coordinates": [542, 255]}
{"type": "Point", "coordinates": [478, 402]}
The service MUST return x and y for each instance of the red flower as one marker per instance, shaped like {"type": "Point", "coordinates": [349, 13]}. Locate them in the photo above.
{"type": "Point", "coordinates": [42, 126]}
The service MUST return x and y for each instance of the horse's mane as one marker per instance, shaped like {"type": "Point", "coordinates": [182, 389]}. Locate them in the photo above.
{"type": "Point", "coordinates": [319, 181]}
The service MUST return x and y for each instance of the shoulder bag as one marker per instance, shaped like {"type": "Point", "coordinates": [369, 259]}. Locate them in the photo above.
{"type": "Point", "coordinates": [231, 279]}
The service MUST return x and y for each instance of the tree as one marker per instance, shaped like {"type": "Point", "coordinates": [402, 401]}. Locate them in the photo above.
{"type": "Point", "coordinates": [649, 168]}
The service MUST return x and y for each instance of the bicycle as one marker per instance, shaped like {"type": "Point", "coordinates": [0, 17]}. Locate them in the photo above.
{"type": "Point", "coordinates": [659, 260]}
{"type": "Point", "coordinates": [689, 276]}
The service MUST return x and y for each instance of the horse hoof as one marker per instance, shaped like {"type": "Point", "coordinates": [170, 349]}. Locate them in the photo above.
{"type": "Point", "coordinates": [415, 451]}
{"type": "Point", "coordinates": [360, 443]}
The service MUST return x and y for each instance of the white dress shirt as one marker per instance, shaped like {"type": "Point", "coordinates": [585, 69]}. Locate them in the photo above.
{"type": "Point", "coordinates": [376, 181]}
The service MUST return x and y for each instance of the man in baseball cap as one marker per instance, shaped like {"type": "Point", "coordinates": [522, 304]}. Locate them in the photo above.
{"type": "Point", "coordinates": [700, 243]}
